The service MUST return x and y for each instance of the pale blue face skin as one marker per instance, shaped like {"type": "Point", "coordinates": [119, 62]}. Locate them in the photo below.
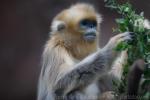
{"type": "Point", "coordinates": [90, 27]}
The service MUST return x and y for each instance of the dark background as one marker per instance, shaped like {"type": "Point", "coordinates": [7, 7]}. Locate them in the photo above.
{"type": "Point", "coordinates": [24, 27]}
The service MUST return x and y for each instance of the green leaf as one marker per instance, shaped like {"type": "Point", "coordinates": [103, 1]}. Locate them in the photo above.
{"type": "Point", "coordinates": [121, 46]}
{"type": "Point", "coordinates": [121, 21]}
{"type": "Point", "coordinates": [146, 96]}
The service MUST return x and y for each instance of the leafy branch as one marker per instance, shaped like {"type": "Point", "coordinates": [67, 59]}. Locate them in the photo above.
{"type": "Point", "coordinates": [139, 48]}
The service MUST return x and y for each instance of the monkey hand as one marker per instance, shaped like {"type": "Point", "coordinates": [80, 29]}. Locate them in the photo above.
{"type": "Point", "coordinates": [114, 41]}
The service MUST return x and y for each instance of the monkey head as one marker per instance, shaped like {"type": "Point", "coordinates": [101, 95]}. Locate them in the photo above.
{"type": "Point", "coordinates": [80, 21]}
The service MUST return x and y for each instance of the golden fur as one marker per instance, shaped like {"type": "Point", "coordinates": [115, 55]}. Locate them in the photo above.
{"type": "Point", "coordinates": [71, 39]}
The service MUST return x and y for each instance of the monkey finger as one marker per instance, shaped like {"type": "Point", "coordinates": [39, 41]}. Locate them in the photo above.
{"type": "Point", "coordinates": [124, 39]}
{"type": "Point", "coordinates": [122, 35]}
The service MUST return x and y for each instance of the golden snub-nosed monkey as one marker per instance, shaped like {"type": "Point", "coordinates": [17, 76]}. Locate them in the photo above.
{"type": "Point", "coordinates": [74, 68]}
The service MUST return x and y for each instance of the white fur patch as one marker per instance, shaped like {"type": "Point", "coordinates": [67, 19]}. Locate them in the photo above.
{"type": "Point", "coordinates": [69, 60]}
{"type": "Point", "coordinates": [118, 65]}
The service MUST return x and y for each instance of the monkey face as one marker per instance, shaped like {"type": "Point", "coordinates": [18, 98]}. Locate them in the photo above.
{"type": "Point", "coordinates": [89, 29]}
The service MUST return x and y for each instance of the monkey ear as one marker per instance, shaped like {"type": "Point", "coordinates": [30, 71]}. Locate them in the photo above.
{"type": "Point", "coordinates": [61, 27]}
{"type": "Point", "coordinates": [58, 25]}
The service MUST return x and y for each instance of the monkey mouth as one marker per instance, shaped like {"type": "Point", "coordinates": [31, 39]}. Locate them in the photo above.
{"type": "Point", "coordinates": [90, 36]}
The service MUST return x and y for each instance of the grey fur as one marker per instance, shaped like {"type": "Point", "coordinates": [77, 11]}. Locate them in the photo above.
{"type": "Point", "coordinates": [72, 84]}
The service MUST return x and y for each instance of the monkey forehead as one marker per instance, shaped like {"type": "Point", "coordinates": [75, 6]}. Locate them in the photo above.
{"type": "Point", "coordinates": [72, 16]}
{"type": "Point", "coordinates": [82, 11]}
{"type": "Point", "coordinates": [81, 14]}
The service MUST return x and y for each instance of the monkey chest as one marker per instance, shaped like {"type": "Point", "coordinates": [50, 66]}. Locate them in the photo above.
{"type": "Point", "coordinates": [91, 92]}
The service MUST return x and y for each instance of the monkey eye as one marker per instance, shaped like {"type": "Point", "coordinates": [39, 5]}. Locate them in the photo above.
{"type": "Point", "coordinates": [84, 22]}
{"type": "Point", "coordinates": [88, 23]}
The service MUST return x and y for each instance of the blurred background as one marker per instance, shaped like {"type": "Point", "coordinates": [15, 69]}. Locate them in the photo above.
{"type": "Point", "coordinates": [24, 28]}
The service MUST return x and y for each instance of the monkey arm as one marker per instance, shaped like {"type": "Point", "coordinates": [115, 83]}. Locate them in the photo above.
{"type": "Point", "coordinates": [84, 73]}
{"type": "Point", "coordinates": [91, 68]}
{"type": "Point", "coordinates": [115, 74]}
{"type": "Point", "coordinates": [57, 76]}
{"type": "Point", "coordinates": [60, 75]}
{"type": "Point", "coordinates": [117, 67]}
